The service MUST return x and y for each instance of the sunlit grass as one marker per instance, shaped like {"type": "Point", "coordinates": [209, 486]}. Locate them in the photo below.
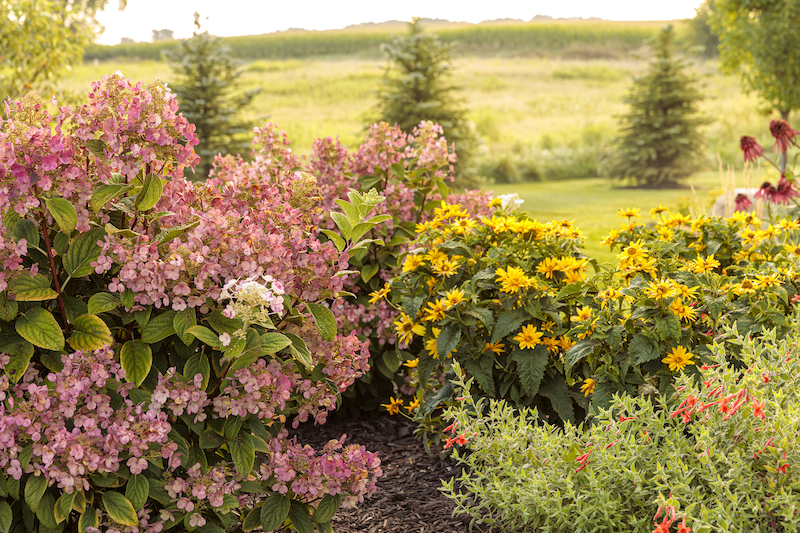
{"type": "Point", "coordinates": [514, 102]}
{"type": "Point", "coordinates": [592, 204]}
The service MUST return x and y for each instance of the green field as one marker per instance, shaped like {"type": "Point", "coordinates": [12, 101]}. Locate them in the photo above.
{"type": "Point", "coordinates": [518, 105]}
{"type": "Point", "coordinates": [535, 105]}
{"type": "Point", "coordinates": [592, 204]}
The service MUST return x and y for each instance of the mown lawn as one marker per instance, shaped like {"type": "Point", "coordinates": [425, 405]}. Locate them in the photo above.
{"type": "Point", "coordinates": [592, 204]}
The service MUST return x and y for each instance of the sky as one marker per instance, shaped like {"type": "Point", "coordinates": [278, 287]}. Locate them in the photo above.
{"type": "Point", "coordinates": [251, 17]}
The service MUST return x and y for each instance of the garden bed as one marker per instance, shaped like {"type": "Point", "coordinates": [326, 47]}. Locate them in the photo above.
{"type": "Point", "coordinates": [408, 498]}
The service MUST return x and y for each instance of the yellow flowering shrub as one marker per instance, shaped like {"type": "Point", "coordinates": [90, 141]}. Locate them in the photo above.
{"type": "Point", "coordinates": [483, 292]}
{"type": "Point", "coordinates": [537, 323]}
{"type": "Point", "coordinates": [676, 280]}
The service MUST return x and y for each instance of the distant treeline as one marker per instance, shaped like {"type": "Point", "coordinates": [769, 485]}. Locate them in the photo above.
{"type": "Point", "coordinates": [586, 39]}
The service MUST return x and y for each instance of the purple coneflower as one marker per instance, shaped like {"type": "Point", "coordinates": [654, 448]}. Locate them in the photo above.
{"type": "Point", "coordinates": [750, 147]}
{"type": "Point", "coordinates": [743, 203]}
{"type": "Point", "coordinates": [783, 133]}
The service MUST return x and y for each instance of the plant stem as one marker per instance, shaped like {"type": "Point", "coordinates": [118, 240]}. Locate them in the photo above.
{"type": "Point", "coordinates": [46, 232]}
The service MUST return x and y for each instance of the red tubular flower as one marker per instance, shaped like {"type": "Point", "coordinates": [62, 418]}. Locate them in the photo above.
{"type": "Point", "coordinates": [783, 133]}
{"type": "Point", "coordinates": [750, 147]}
{"type": "Point", "coordinates": [758, 409]}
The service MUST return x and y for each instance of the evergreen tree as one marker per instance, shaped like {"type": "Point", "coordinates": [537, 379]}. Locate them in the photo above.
{"type": "Point", "coordinates": [416, 86]}
{"type": "Point", "coordinates": [659, 143]}
{"type": "Point", "coordinates": [207, 73]}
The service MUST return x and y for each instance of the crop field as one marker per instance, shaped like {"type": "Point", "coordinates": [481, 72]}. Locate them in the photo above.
{"type": "Point", "coordinates": [574, 38]}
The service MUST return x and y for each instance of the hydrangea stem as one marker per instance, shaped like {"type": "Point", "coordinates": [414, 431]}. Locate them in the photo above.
{"type": "Point", "coordinates": [49, 248]}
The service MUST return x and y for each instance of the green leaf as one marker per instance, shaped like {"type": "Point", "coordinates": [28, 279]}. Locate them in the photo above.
{"type": "Point", "coordinates": [369, 270]}
{"type": "Point", "coordinates": [508, 322]}
{"type": "Point", "coordinates": [243, 453]}
{"type": "Point", "coordinates": [348, 208]}
{"type": "Point", "coordinates": [484, 379]}
{"type": "Point", "coordinates": [182, 322]}
{"type": "Point", "coordinates": [343, 224]}
{"type": "Point", "coordinates": [325, 321]}
{"type": "Point", "coordinates": [32, 289]}
{"type": "Point", "coordinates": [447, 341]}
{"type": "Point", "coordinates": [103, 193]}
{"type": "Point", "coordinates": [274, 511]}
{"type": "Point", "coordinates": [324, 527]}
{"type": "Point", "coordinates": [300, 351]}
{"type": "Point", "coordinates": [159, 327]}
{"type": "Point", "coordinates": [555, 390]}
{"type": "Point", "coordinates": [205, 335]}
{"type": "Point", "coordinates": [87, 519]}
{"type": "Point", "coordinates": [222, 324]}
{"type": "Point", "coordinates": [150, 194]}
{"type": "Point", "coordinates": [530, 367]}
{"type": "Point", "coordinates": [40, 328]}
{"type": "Point", "coordinates": [578, 351]}
{"type": "Point", "coordinates": [45, 512]}
{"type": "Point", "coordinates": [210, 439]}
{"type": "Point", "coordinates": [252, 520]}
{"type": "Point", "coordinates": [127, 298]}
{"type": "Point", "coordinates": [8, 308]}
{"type": "Point", "coordinates": [174, 233]}
{"type": "Point", "coordinates": [119, 508]}
{"type": "Point", "coordinates": [35, 487]}
{"type": "Point", "coordinates": [484, 315]}
{"type": "Point", "coordinates": [102, 302]}
{"type": "Point", "coordinates": [327, 508]}
{"type": "Point", "coordinates": [198, 364]}
{"type": "Point", "coordinates": [136, 358]}
{"type": "Point", "coordinates": [90, 333]}
{"type": "Point", "coordinates": [96, 146]}
{"type": "Point", "coordinates": [335, 238]}
{"type": "Point", "coordinates": [26, 229]}
{"type": "Point", "coordinates": [64, 505]}
{"type": "Point", "coordinates": [6, 516]}
{"type": "Point", "coordinates": [81, 253]}
{"type": "Point", "coordinates": [643, 349]}
{"type": "Point", "coordinates": [298, 514]}
{"type": "Point", "coordinates": [158, 492]}
{"type": "Point", "coordinates": [274, 342]}
{"type": "Point", "coordinates": [63, 213]}
{"type": "Point", "coordinates": [20, 353]}
{"type": "Point", "coordinates": [137, 490]}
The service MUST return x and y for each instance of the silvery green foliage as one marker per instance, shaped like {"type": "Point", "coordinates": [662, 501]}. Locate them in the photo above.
{"type": "Point", "coordinates": [721, 452]}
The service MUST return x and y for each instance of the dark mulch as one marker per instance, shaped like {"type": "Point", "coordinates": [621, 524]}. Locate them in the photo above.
{"type": "Point", "coordinates": [408, 498]}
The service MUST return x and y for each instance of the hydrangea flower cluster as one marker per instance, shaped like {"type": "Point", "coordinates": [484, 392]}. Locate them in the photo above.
{"type": "Point", "coordinates": [241, 248]}
{"type": "Point", "coordinates": [338, 469]}
{"type": "Point", "coordinates": [73, 428]}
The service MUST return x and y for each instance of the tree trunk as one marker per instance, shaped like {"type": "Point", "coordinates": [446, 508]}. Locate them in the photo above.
{"type": "Point", "coordinates": [782, 159]}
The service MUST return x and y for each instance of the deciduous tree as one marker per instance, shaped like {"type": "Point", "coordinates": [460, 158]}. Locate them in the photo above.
{"type": "Point", "coordinates": [760, 41]}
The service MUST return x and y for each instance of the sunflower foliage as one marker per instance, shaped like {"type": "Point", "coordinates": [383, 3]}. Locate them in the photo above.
{"type": "Point", "coordinates": [514, 303]}
{"type": "Point", "coordinates": [656, 310]}
{"type": "Point", "coordinates": [720, 454]}
{"type": "Point", "coordinates": [485, 293]}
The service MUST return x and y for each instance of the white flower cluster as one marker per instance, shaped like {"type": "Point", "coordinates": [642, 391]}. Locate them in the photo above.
{"type": "Point", "coordinates": [251, 300]}
{"type": "Point", "coordinates": [513, 200]}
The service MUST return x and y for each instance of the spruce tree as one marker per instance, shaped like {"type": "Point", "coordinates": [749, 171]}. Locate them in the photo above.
{"type": "Point", "coordinates": [659, 144]}
{"type": "Point", "coordinates": [416, 86]}
{"type": "Point", "coordinates": [206, 75]}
